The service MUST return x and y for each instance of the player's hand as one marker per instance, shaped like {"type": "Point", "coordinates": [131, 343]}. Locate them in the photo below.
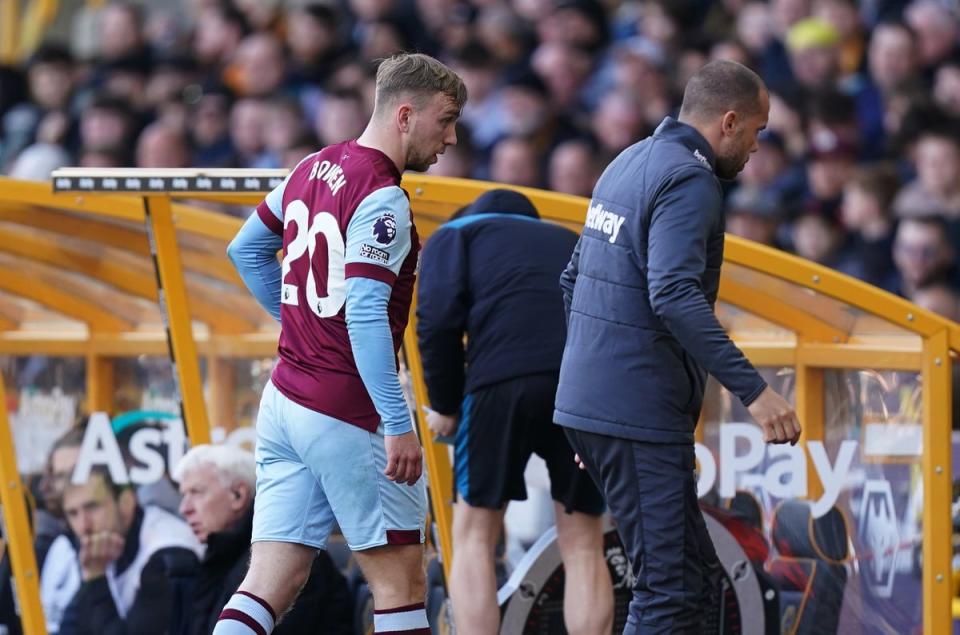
{"type": "Point", "coordinates": [404, 458]}
{"type": "Point", "coordinates": [776, 417]}
{"type": "Point", "coordinates": [579, 461]}
{"type": "Point", "coordinates": [97, 551]}
{"type": "Point", "coordinates": [443, 425]}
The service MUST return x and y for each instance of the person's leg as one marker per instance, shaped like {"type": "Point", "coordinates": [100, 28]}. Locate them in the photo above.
{"type": "Point", "coordinates": [473, 584]}
{"type": "Point", "coordinates": [578, 506]}
{"type": "Point", "coordinates": [382, 522]}
{"type": "Point", "coordinates": [395, 575]}
{"type": "Point", "coordinates": [588, 590]}
{"type": "Point", "coordinates": [291, 521]}
{"type": "Point", "coordinates": [492, 449]}
{"type": "Point", "coordinates": [649, 488]}
{"type": "Point", "coordinates": [710, 565]}
{"type": "Point", "coordinates": [277, 572]}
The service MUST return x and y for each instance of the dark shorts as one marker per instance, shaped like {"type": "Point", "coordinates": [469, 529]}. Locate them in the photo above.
{"type": "Point", "coordinates": [501, 425]}
{"type": "Point", "coordinates": [652, 494]}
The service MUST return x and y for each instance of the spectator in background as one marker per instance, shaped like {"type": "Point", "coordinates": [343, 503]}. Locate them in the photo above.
{"type": "Point", "coordinates": [218, 32]}
{"type": "Point", "coordinates": [892, 62]}
{"type": "Point", "coordinates": [515, 161]}
{"type": "Point", "coordinates": [126, 79]}
{"type": "Point", "coordinates": [946, 87]}
{"type": "Point", "coordinates": [162, 146]}
{"type": "Point", "coordinates": [525, 111]}
{"type": "Point", "coordinates": [117, 568]}
{"type": "Point", "coordinates": [50, 81]}
{"type": "Point", "coordinates": [564, 70]}
{"type": "Point", "coordinates": [459, 160]}
{"type": "Point", "coordinates": [817, 235]}
{"type": "Point", "coordinates": [936, 189]}
{"type": "Point", "coordinates": [303, 145]}
{"type": "Point", "coordinates": [342, 115]}
{"type": "Point", "coordinates": [577, 23]}
{"type": "Point", "coordinates": [844, 17]}
{"type": "Point", "coordinates": [814, 47]}
{"type": "Point", "coordinates": [108, 122]}
{"type": "Point", "coordinates": [936, 28]}
{"type": "Point", "coordinates": [217, 483]}
{"type": "Point", "coordinates": [504, 34]}
{"type": "Point", "coordinates": [573, 167]}
{"type": "Point", "coordinates": [768, 164]}
{"type": "Point", "coordinates": [121, 33]}
{"type": "Point", "coordinates": [617, 123]}
{"type": "Point", "coordinates": [831, 159]}
{"type": "Point", "coordinates": [865, 213]}
{"type": "Point", "coordinates": [475, 64]}
{"type": "Point", "coordinates": [314, 40]}
{"type": "Point", "coordinates": [922, 252]}
{"type": "Point", "coordinates": [248, 122]}
{"type": "Point", "coordinates": [939, 296]}
{"type": "Point", "coordinates": [754, 213]}
{"type": "Point", "coordinates": [49, 524]}
{"type": "Point", "coordinates": [258, 68]}
{"type": "Point", "coordinates": [209, 130]}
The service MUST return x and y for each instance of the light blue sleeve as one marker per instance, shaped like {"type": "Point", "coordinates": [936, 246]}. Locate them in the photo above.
{"type": "Point", "coordinates": [379, 233]}
{"type": "Point", "coordinates": [253, 252]}
{"type": "Point", "coordinates": [373, 352]}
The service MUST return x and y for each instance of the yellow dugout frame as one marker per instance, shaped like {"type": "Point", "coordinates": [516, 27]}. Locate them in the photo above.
{"type": "Point", "coordinates": [788, 312]}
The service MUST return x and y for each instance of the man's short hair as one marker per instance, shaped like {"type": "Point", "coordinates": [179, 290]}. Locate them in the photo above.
{"type": "Point", "coordinates": [936, 222]}
{"type": "Point", "coordinates": [102, 472]}
{"type": "Point", "coordinates": [232, 463]}
{"type": "Point", "coordinates": [419, 76]}
{"type": "Point", "coordinates": [719, 87]}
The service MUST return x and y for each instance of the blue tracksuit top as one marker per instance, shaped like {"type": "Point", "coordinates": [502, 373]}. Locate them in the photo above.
{"type": "Point", "coordinates": [493, 277]}
{"type": "Point", "coordinates": [639, 292]}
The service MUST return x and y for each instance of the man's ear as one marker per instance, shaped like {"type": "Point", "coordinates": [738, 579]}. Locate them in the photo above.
{"type": "Point", "coordinates": [240, 495]}
{"type": "Point", "coordinates": [730, 123]}
{"type": "Point", "coordinates": [404, 115]}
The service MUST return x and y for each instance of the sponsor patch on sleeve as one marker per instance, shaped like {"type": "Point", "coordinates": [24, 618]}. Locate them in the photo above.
{"type": "Point", "coordinates": [372, 253]}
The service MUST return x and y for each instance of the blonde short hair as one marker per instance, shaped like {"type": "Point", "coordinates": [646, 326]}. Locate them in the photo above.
{"type": "Point", "coordinates": [419, 76]}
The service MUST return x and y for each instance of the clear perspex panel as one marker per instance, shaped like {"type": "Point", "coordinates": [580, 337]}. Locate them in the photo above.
{"type": "Point", "coordinates": [839, 520]}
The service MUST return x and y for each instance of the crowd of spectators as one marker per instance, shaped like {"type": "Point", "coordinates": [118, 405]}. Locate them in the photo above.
{"type": "Point", "coordinates": [160, 558]}
{"type": "Point", "coordinates": [859, 168]}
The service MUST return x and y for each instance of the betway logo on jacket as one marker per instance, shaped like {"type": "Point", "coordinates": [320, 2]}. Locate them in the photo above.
{"type": "Point", "coordinates": [604, 221]}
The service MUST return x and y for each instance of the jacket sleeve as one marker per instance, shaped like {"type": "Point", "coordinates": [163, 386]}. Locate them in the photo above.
{"type": "Point", "coordinates": [442, 309]}
{"type": "Point", "coordinates": [92, 610]}
{"type": "Point", "coordinates": [568, 279]}
{"type": "Point", "coordinates": [685, 213]}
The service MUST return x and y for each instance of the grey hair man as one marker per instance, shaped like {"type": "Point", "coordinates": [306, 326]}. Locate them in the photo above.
{"type": "Point", "coordinates": [217, 483]}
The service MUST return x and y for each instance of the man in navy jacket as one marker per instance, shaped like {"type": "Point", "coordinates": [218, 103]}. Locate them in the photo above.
{"type": "Point", "coordinates": [492, 275]}
{"type": "Point", "coordinates": [642, 335]}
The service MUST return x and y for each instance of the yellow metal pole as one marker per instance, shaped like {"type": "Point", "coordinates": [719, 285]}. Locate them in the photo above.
{"type": "Point", "coordinates": [19, 541]}
{"type": "Point", "coordinates": [222, 380]}
{"type": "Point", "coordinates": [937, 487]}
{"type": "Point", "coordinates": [439, 471]}
{"type": "Point", "coordinates": [808, 401]}
{"type": "Point", "coordinates": [9, 28]}
{"type": "Point", "coordinates": [100, 384]}
{"type": "Point", "coordinates": [174, 309]}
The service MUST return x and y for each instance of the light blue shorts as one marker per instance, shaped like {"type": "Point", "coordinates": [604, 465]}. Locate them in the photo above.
{"type": "Point", "coordinates": [313, 470]}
